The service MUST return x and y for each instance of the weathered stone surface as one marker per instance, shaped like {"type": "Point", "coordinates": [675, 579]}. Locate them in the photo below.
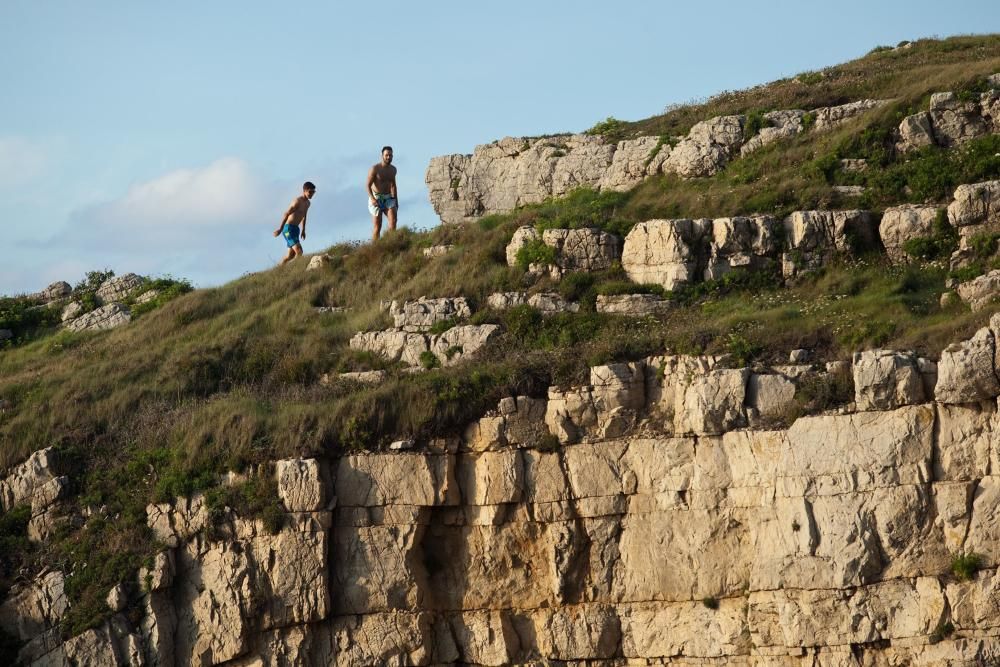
{"type": "Point", "coordinates": [317, 262]}
{"type": "Point", "coordinates": [664, 252]}
{"type": "Point", "coordinates": [814, 236]}
{"type": "Point", "coordinates": [584, 249]}
{"type": "Point", "coordinates": [976, 204]}
{"type": "Point", "coordinates": [147, 296]}
{"type": "Point", "coordinates": [915, 131]}
{"type": "Point", "coordinates": [966, 373]}
{"type": "Point", "coordinates": [31, 610]}
{"type": "Point", "coordinates": [770, 395]}
{"type": "Point", "coordinates": [634, 160]}
{"type": "Point", "coordinates": [902, 223]}
{"type": "Point", "coordinates": [829, 117]}
{"type": "Point", "coordinates": [608, 407]}
{"type": "Point", "coordinates": [364, 377]}
{"type": "Point", "coordinates": [437, 250]}
{"type": "Point", "coordinates": [54, 292]}
{"type": "Point", "coordinates": [886, 380]}
{"type": "Point", "coordinates": [984, 525]}
{"type": "Point", "coordinates": [782, 125]}
{"type": "Point", "coordinates": [106, 317]}
{"type": "Point", "coordinates": [301, 484]}
{"type": "Point", "coordinates": [422, 314]}
{"type": "Point", "coordinates": [740, 242]}
{"type": "Point", "coordinates": [954, 121]}
{"type": "Point", "coordinates": [547, 303]}
{"type": "Point", "coordinates": [118, 288]}
{"type": "Point", "coordinates": [30, 482]}
{"type": "Point", "coordinates": [707, 148]}
{"type": "Point", "coordinates": [393, 479]}
{"type": "Point", "coordinates": [713, 403]}
{"type": "Point", "coordinates": [449, 347]}
{"type": "Point", "coordinates": [633, 305]}
{"type": "Point", "coordinates": [980, 292]}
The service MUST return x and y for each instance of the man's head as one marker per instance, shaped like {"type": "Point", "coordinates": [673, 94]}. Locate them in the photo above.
{"type": "Point", "coordinates": [386, 154]}
{"type": "Point", "coordinates": [308, 189]}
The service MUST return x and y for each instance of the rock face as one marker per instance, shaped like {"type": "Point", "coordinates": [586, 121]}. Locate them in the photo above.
{"type": "Point", "coordinates": [660, 531]}
{"type": "Point", "coordinates": [448, 348]}
{"type": "Point", "coordinates": [512, 172]}
{"type": "Point", "coordinates": [982, 291]}
{"type": "Point", "coordinates": [586, 249]}
{"type": "Point", "coordinates": [106, 317]}
{"type": "Point", "coordinates": [902, 223]}
{"type": "Point", "coordinates": [975, 210]}
{"type": "Point", "coordinates": [118, 288]}
{"type": "Point", "coordinates": [814, 236]}
{"type": "Point", "coordinates": [54, 292]}
{"type": "Point", "coordinates": [635, 305]}
{"type": "Point", "coordinates": [547, 303]}
{"type": "Point", "coordinates": [951, 121]}
{"type": "Point", "coordinates": [424, 313]}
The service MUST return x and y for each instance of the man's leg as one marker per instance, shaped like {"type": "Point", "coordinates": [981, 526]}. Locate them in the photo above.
{"type": "Point", "coordinates": [392, 219]}
{"type": "Point", "coordinates": [288, 257]}
{"type": "Point", "coordinates": [376, 225]}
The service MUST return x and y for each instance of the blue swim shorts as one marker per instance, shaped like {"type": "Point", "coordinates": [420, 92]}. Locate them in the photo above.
{"type": "Point", "coordinates": [291, 234]}
{"type": "Point", "coordinates": [383, 202]}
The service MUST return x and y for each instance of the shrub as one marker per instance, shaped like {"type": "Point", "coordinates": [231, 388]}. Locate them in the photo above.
{"type": "Point", "coordinates": [535, 252]}
{"type": "Point", "coordinates": [964, 565]}
{"type": "Point", "coordinates": [577, 285]}
{"type": "Point", "coordinates": [429, 360]}
{"type": "Point", "coordinates": [810, 78]}
{"type": "Point", "coordinates": [616, 287]}
{"type": "Point", "coordinates": [808, 120]}
{"type": "Point", "coordinates": [983, 245]}
{"type": "Point", "coordinates": [167, 289]}
{"type": "Point", "coordinates": [611, 128]}
{"type": "Point", "coordinates": [755, 122]}
{"type": "Point", "coordinates": [939, 245]}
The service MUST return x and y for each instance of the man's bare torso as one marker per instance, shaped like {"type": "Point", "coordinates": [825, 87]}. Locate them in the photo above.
{"type": "Point", "coordinates": [385, 176]}
{"type": "Point", "coordinates": [298, 211]}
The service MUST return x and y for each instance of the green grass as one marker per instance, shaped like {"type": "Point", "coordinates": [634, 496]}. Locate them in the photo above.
{"type": "Point", "coordinates": [964, 565]}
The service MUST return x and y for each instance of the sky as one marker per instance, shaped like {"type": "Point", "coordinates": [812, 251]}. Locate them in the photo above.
{"type": "Point", "coordinates": [168, 138]}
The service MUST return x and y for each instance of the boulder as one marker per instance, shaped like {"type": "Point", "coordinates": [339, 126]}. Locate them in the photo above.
{"type": "Point", "coordinates": [982, 291]}
{"type": "Point", "coordinates": [771, 395]}
{"type": "Point", "coordinates": [903, 223]}
{"type": "Point", "coordinates": [30, 483]}
{"type": "Point", "coordinates": [955, 121]}
{"type": "Point", "coordinates": [437, 250]}
{"type": "Point", "coordinates": [886, 380]}
{"type": "Point", "coordinates": [712, 403]}
{"type": "Point", "coordinates": [915, 131]}
{"type": "Point", "coordinates": [461, 342]}
{"type": "Point", "coordinates": [976, 204]}
{"type": "Point", "coordinates": [585, 249]}
{"type": "Point", "coordinates": [664, 252]}
{"type": "Point", "coordinates": [965, 371]}
{"type": "Point", "coordinates": [740, 242]}
{"type": "Point", "coordinates": [317, 262]}
{"type": "Point", "coordinates": [424, 313]}
{"type": "Point", "coordinates": [632, 305]}
{"type": "Point", "coordinates": [782, 125]}
{"type": "Point", "coordinates": [829, 117]}
{"type": "Point", "coordinates": [812, 237]}
{"type": "Point", "coordinates": [707, 148]}
{"type": "Point", "coordinates": [54, 292]}
{"type": "Point", "coordinates": [146, 296]}
{"type": "Point", "coordinates": [118, 288]}
{"type": "Point", "coordinates": [106, 317]}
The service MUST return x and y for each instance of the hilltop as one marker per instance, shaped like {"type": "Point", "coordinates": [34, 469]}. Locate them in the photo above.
{"type": "Point", "coordinates": [205, 389]}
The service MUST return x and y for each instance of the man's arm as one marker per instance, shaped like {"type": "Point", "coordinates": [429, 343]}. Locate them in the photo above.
{"type": "Point", "coordinates": [305, 216]}
{"type": "Point", "coordinates": [392, 188]}
{"type": "Point", "coordinates": [369, 183]}
{"type": "Point", "coordinates": [284, 217]}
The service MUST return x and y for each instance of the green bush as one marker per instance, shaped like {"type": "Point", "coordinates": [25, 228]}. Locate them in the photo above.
{"type": "Point", "coordinates": [610, 128]}
{"type": "Point", "coordinates": [964, 565]}
{"type": "Point", "coordinates": [755, 122]}
{"type": "Point", "coordinates": [167, 289]}
{"type": "Point", "coordinates": [24, 319]}
{"type": "Point", "coordinates": [429, 360]}
{"type": "Point", "coordinates": [578, 286]}
{"type": "Point", "coordinates": [983, 245]}
{"type": "Point", "coordinates": [535, 252]}
{"type": "Point", "coordinates": [808, 120]}
{"type": "Point", "coordinates": [617, 287]}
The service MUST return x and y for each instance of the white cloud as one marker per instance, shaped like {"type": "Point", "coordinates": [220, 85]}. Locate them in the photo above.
{"type": "Point", "coordinates": [21, 161]}
{"type": "Point", "coordinates": [225, 192]}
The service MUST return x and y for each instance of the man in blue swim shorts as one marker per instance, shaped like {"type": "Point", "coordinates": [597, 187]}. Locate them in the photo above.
{"type": "Point", "coordinates": [295, 217]}
{"type": "Point", "coordinates": [381, 189]}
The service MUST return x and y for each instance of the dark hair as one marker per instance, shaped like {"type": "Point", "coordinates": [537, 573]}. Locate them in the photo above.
{"type": "Point", "coordinates": [308, 185]}
{"type": "Point", "coordinates": [386, 148]}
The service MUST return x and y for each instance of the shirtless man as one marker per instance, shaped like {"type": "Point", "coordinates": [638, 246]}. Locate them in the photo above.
{"type": "Point", "coordinates": [381, 189]}
{"type": "Point", "coordinates": [295, 215]}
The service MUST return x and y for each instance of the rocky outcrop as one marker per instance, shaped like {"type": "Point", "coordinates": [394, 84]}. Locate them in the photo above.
{"type": "Point", "coordinates": [660, 530]}
{"type": "Point", "coordinates": [317, 262]}
{"type": "Point", "coordinates": [586, 249]}
{"type": "Point", "coordinates": [118, 288]}
{"type": "Point", "coordinates": [633, 305]}
{"type": "Point", "coordinates": [106, 317]}
{"type": "Point", "coordinates": [951, 120]}
{"type": "Point", "coordinates": [813, 237]}
{"type": "Point", "coordinates": [975, 210]}
{"type": "Point", "coordinates": [547, 303]}
{"type": "Point", "coordinates": [902, 223]}
{"type": "Point", "coordinates": [424, 313]}
{"type": "Point", "coordinates": [980, 292]}
{"type": "Point", "coordinates": [449, 347]}
{"type": "Point", "coordinates": [54, 292]}
{"type": "Point", "coordinates": [437, 250]}
{"type": "Point", "coordinates": [510, 172]}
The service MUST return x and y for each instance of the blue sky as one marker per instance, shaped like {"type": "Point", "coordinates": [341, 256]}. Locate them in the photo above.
{"type": "Point", "coordinates": [167, 138]}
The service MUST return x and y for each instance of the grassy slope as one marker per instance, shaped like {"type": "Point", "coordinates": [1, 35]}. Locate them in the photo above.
{"type": "Point", "coordinates": [226, 378]}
